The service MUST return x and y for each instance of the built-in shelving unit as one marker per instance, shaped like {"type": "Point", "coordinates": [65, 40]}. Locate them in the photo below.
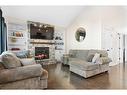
{"type": "Point", "coordinates": [59, 38]}
{"type": "Point", "coordinates": [59, 43]}
{"type": "Point", "coordinates": [17, 36]}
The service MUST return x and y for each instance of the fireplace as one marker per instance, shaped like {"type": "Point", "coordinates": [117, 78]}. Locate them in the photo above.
{"type": "Point", "coordinates": [41, 53]}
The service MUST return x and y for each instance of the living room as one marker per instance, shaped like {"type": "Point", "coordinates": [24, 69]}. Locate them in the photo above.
{"type": "Point", "coordinates": [46, 47]}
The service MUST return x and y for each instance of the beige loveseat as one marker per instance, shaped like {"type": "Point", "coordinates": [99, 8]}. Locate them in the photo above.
{"type": "Point", "coordinates": [14, 75]}
{"type": "Point", "coordinates": [80, 62]}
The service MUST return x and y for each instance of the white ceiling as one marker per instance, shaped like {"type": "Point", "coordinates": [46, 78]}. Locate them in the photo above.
{"type": "Point", "coordinates": [55, 15]}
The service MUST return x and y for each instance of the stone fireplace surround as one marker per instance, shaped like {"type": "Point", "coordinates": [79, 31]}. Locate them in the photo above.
{"type": "Point", "coordinates": [42, 43]}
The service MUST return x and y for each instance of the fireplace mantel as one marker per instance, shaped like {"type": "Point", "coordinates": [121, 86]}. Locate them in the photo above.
{"type": "Point", "coordinates": [42, 42]}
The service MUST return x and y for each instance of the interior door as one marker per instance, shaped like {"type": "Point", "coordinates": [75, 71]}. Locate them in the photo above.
{"type": "Point", "coordinates": [126, 48]}
{"type": "Point", "coordinates": [110, 42]}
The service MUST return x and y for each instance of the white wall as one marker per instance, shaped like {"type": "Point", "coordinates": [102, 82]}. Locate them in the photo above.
{"type": "Point", "coordinates": [90, 20]}
{"type": "Point", "coordinates": [97, 20]}
{"type": "Point", "coordinates": [93, 19]}
{"type": "Point", "coordinates": [114, 21]}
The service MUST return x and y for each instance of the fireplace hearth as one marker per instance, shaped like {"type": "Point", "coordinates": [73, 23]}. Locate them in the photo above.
{"type": "Point", "coordinates": [41, 53]}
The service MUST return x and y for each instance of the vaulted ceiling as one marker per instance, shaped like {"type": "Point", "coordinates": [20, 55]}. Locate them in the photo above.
{"type": "Point", "coordinates": [56, 15]}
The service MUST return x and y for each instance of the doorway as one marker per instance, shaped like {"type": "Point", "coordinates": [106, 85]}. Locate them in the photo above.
{"type": "Point", "coordinates": [110, 42]}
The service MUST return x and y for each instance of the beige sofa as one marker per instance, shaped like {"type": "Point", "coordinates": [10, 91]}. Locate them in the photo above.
{"type": "Point", "coordinates": [26, 76]}
{"type": "Point", "coordinates": [81, 64]}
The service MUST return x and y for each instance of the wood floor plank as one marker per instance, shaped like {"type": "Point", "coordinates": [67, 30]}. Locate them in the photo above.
{"type": "Point", "coordinates": [61, 78]}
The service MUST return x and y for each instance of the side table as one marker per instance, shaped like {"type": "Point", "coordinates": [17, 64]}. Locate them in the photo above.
{"type": "Point", "coordinates": [65, 59]}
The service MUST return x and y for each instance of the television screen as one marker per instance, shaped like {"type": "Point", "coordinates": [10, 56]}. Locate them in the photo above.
{"type": "Point", "coordinates": [43, 32]}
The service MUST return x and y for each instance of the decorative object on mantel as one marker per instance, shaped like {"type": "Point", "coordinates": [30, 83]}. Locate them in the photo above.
{"type": "Point", "coordinates": [80, 34]}
{"type": "Point", "coordinates": [13, 40]}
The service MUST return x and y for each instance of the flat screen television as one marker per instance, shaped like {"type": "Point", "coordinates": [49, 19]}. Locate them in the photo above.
{"type": "Point", "coordinates": [43, 32]}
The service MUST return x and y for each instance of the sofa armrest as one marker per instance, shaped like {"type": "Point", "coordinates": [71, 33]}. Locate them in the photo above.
{"type": "Point", "coordinates": [20, 73]}
{"type": "Point", "coordinates": [44, 79]}
{"type": "Point", "coordinates": [105, 60]}
{"type": "Point", "coordinates": [44, 74]}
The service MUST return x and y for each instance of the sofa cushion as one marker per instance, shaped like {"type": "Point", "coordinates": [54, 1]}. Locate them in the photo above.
{"type": "Point", "coordinates": [82, 54]}
{"type": "Point", "coordinates": [103, 53]}
{"type": "Point", "coordinates": [20, 73]}
{"type": "Point", "coordinates": [104, 60]}
{"type": "Point", "coordinates": [90, 57]}
{"type": "Point", "coordinates": [9, 60]}
{"type": "Point", "coordinates": [96, 57]}
{"type": "Point", "coordinates": [84, 65]}
{"type": "Point", "coordinates": [27, 61]}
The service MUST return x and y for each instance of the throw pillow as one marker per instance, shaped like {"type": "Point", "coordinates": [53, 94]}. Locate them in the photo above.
{"type": "Point", "coordinates": [23, 54]}
{"type": "Point", "coordinates": [27, 61]}
{"type": "Point", "coordinates": [9, 60]}
{"type": "Point", "coordinates": [90, 57]}
{"type": "Point", "coordinates": [96, 57]}
{"type": "Point", "coordinates": [104, 60]}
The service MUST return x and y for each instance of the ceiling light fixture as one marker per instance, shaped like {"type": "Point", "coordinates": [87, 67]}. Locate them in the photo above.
{"type": "Point", "coordinates": [35, 24]}
{"type": "Point", "coordinates": [40, 25]}
{"type": "Point", "coordinates": [45, 26]}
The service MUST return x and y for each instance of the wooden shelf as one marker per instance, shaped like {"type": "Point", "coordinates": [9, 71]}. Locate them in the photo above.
{"type": "Point", "coordinates": [16, 30]}
{"type": "Point", "coordinates": [17, 44]}
{"type": "Point", "coordinates": [42, 42]}
{"type": "Point", "coordinates": [15, 50]}
{"type": "Point", "coordinates": [58, 49]}
{"type": "Point", "coordinates": [16, 37]}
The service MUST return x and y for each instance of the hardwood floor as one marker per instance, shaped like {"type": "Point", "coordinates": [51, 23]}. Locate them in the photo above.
{"type": "Point", "coordinates": [61, 78]}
